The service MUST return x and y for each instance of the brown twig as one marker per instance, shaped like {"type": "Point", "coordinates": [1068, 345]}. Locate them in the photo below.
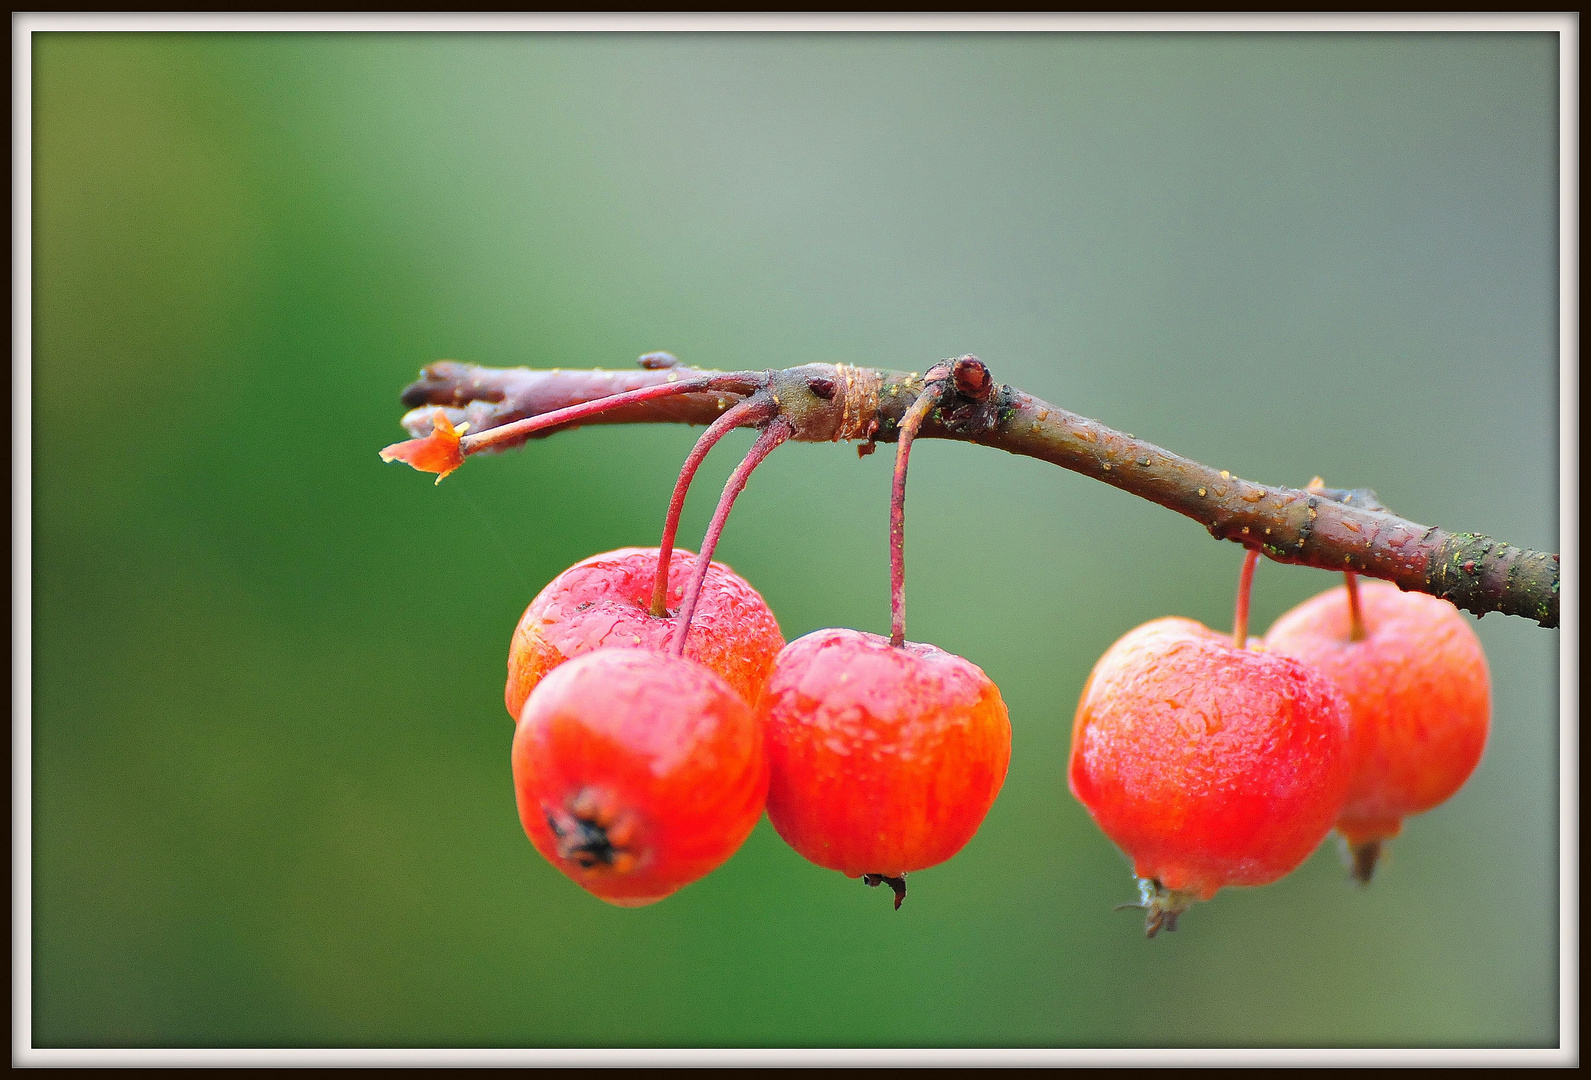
{"type": "Point", "coordinates": [1328, 529]}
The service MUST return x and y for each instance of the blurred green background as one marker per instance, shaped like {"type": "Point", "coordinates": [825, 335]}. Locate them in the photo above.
{"type": "Point", "coordinates": [271, 793]}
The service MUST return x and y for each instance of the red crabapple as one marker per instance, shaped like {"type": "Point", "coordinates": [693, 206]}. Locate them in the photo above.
{"type": "Point", "coordinates": [1418, 692]}
{"type": "Point", "coordinates": [1208, 764]}
{"type": "Point", "coordinates": [637, 772]}
{"type": "Point", "coordinates": [884, 759]}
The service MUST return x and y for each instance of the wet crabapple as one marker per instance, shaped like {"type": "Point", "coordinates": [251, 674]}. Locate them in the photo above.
{"type": "Point", "coordinates": [883, 759]}
{"type": "Point", "coordinates": [885, 755]}
{"type": "Point", "coordinates": [1419, 694]}
{"type": "Point", "coordinates": [1210, 764]}
{"type": "Point", "coordinates": [637, 772]}
{"type": "Point", "coordinates": [604, 601]}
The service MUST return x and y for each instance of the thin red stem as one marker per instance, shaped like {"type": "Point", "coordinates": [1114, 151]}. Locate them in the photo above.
{"type": "Point", "coordinates": [897, 509]}
{"type": "Point", "coordinates": [772, 435]}
{"type": "Point", "coordinates": [1245, 584]}
{"type": "Point", "coordinates": [1356, 615]}
{"type": "Point", "coordinates": [520, 429]}
{"type": "Point", "coordinates": [750, 411]}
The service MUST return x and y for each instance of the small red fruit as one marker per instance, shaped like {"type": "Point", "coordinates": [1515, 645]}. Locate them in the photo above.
{"type": "Point", "coordinates": [604, 601]}
{"type": "Point", "coordinates": [1209, 765]}
{"type": "Point", "coordinates": [637, 772]}
{"type": "Point", "coordinates": [884, 759]}
{"type": "Point", "coordinates": [1419, 695]}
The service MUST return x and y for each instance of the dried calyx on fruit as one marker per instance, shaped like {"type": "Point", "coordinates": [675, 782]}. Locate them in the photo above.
{"type": "Point", "coordinates": [1209, 763]}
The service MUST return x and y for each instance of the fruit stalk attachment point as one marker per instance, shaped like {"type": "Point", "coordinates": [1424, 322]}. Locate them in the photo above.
{"type": "Point", "coordinates": [1356, 617]}
{"type": "Point", "coordinates": [935, 384]}
{"type": "Point", "coordinates": [1245, 585]}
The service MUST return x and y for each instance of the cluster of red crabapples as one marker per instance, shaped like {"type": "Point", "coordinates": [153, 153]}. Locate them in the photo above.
{"type": "Point", "coordinates": [658, 711]}
{"type": "Point", "coordinates": [1215, 760]}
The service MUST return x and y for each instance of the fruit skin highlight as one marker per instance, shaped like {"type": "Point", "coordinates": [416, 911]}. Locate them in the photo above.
{"type": "Point", "coordinates": [605, 600]}
{"type": "Point", "coordinates": [883, 759]}
{"type": "Point", "coordinates": [1207, 764]}
{"type": "Point", "coordinates": [1419, 694]}
{"type": "Point", "coordinates": [637, 773]}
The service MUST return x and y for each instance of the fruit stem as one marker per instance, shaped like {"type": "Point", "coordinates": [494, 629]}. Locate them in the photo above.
{"type": "Point", "coordinates": [753, 410]}
{"type": "Point", "coordinates": [1245, 584]}
{"type": "Point", "coordinates": [517, 431]}
{"type": "Point", "coordinates": [1356, 617]}
{"type": "Point", "coordinates": [934, 386]}
{"type": "Point", "coordinates": [772, 435]}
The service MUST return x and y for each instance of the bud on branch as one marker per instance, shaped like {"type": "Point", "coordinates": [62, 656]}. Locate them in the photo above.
{"type": "Point", "coordinates": [1319, 527]}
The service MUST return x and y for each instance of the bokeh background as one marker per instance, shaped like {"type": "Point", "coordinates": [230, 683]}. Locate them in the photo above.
{"type": "Point", "coordinates": [271, 792]}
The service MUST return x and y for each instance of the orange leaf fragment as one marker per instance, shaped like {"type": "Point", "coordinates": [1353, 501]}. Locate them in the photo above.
{"type": "Point", "coordinates": [438, 452]}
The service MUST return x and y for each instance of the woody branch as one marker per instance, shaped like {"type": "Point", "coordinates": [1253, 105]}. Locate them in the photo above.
{"type": "Point", "coordinates": [1325, 528]}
